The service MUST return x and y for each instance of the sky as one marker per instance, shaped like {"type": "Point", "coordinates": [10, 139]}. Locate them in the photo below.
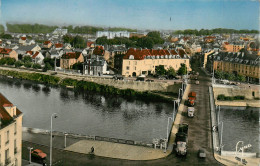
{"type": "Point", "coordinates": [140, 14]}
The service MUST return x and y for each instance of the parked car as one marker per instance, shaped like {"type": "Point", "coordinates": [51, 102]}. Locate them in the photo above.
{"type": "Point", "coordinates": [201, 153]}
{"type": "Point", "coordinates": [37, 153]}
{"type": "Point", "coordinates": [118, 77]}
{"type": "Point", "coordinates": [140, 78]}
{"type": "Point", "coordinates": [149, 80]}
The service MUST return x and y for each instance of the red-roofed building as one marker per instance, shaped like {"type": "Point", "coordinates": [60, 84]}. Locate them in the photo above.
{"type": "Point", "coordinates": [58, 46]}
{"type": "Point", "coordinates": [99, 50]}
{"type": "Point", "coordinates": [10, 133]}
{"type": "Point", "coordinates": [47, 44]}
{"type": "Point", "coordinates": [138, 62]}
{"type": "Point", "coordinates": [5, 52]}
{"type": "Point", "coordinates": [70, 58]}
{"type": "Point", "coordinates": [37, 57]}
{"type": "Point", "coordinates": [22, 40]}
{"type": "Point", "coordinates": [209, 39]}
{"type": "Point", "coordinates": [90, 44]}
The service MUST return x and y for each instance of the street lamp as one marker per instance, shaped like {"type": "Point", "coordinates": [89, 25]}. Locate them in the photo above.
{"type": "Point", "coordinates": [54, 115]}
{"type": "Point", "coordinates": [179, 95]}
{"type": "Point", "coordinates": [65, 140]}
{"type": "Point", "coordinates": [174, 109]}
{"type": "Point", "coordinates": [30, 154]}
{"type": "Point", "coordinates": [167, 133]}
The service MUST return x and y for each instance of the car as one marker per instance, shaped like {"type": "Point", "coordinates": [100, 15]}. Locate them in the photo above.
{"type": "Point", "coordinates": [118, 77]}
{"type": "Point", "coordinates": [201, 153]}
{"type": "Point", "coordinates": [37, 153]}
{"type": "Point", "coordinates": [149, 80]}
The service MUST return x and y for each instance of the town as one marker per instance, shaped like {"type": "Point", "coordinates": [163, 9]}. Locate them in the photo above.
{"type": "Point", "coordinates": [158, 83]}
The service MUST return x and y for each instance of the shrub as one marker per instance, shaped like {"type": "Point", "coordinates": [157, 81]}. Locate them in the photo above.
{"type": "Point", "coordinates": [18, 63]}
{"type": "Point", "coordinates": [28, 64]}
{"type": "Point", "coordinates": [37, 66]}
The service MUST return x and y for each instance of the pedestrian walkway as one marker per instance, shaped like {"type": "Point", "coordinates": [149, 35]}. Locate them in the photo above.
{"type": "Point", "coordinates": [116, 150]}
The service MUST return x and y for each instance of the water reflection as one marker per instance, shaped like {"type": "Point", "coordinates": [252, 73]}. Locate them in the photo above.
{"type": "Point", "coordinates": [27, 85]}
{"type": "Point", "coordinates": [46, 90]}
{"type": "Point", "coordinates": [36, 88]}
{"type": "Point", "coordinates": [17, 84]}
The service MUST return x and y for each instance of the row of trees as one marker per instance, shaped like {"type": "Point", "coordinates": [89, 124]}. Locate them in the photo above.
{"type": "Point", "coordinates": [39, 28]}
{"type": "Point", "coordinates": [229, 76]}
{"type": "Point", "coordinates": [148, 41]}
{"type": "Point", "coordinates": [170, 73]}
{"type": "Point", "coordinates": [213, 31]}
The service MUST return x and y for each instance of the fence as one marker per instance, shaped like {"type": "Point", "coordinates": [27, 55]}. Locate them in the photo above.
{"type": "Point", "coordinates": [95, 138]}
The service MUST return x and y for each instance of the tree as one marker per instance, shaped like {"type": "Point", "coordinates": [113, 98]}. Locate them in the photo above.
{"type": "Point", "coordinates": [219, 74]}
{"type": "Point", "coordinates": [27, 59]}
{"type": "Point", "coordinates": [37, 66]}
{"type": "Point", "coordinates": [50, 61]}
{"type": "Point", "coordinates": [77, 66]}
{"type": "Point", "coordinates": [145, 42]}
{"type": "Point", "coordinates": [78, 42]}
{"type": "Point", "coordinates": [10, 61]}
{"type": "Point", "coordinates": [160, 70]}
{"type": "Point", "coordinates": [241, 78]}
{"type": "Point", "coordinates": [6, 36]}
{"type": "Point", "coordinates": [171, 73]}
{"type": "Point", "coordinates": [28, 64]}
{"type": "Point", "coordinates": [182, 70]}
{"type": "Point", "coordinates": [18, 63]}
{"type": "Point", "coordinates": [102, 40]}
{"type": "Point", "coordinates": [47, 67]}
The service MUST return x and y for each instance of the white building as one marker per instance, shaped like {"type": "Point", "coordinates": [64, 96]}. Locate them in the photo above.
{"type": "Point", "coordinates": [59, 31]}
{"type": "Point", "coordinates": [111, 35]}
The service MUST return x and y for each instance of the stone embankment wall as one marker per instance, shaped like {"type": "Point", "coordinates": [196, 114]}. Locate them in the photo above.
{"type": "Point", "coordinates": [252, 95]}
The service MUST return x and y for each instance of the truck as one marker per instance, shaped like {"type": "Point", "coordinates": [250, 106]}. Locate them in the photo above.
{"type": "Point", "coordinates": [181, 140]}
{"type": "Point", "coordinates": [191, 111]}
{"type": "Point", "coordinates": [192, 98]}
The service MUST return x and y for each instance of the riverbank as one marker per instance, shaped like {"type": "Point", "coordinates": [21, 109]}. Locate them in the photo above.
{"type": "Point", "coordinates": [251, 94]}
{"type": "Point", "coordinates": [100, 85]}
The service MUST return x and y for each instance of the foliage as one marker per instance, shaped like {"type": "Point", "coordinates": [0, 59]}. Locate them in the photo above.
{"type": "Point", "coordinates": [50, 61]}
{"type": "Point", "coordinates": [30, 28]}
{"type": "Point", "coordinates": [7, 60]}
{"type": "Point", "coordinates": [27, 59]}
{"type": "Point", "coordinates": [171, 72]}
{"type": "Point", "coordinates": [160, 70]}
{"type": "Point", "coordinates": [5, 36]}
{"type": "Point", "coordinates": [78, 66]}
{"type": "Point", "coordinates": [37, 66]}
{"type": "Point", "coordinates": [18, 63]}
{"type": "Point", "coordinates": [28, 64]}
{"type": "Point", "coordinates": [241, 78]}
{"type": "Point", "coordinates": [47, 67]}
{"type": "Point", "coordinates": [222, 97]}
{"type": "Point", "coordinates": [212, 31]}
{"type": "Point", "coordinates": [77, 41]}
{"type": "Point", "coordinates": [182, 70]}
{"type": "Point", "coordinates": [145, 42]}
{"type": "Point", "coordinates": [2, 29]}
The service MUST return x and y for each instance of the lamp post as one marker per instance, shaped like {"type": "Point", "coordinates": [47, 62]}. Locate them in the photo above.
{"type": "Point", "coordinates": [167, 133]}
{"type": "Point", "coordinates": [65, 140]}
{"type": "Point", "coordinates": [54, 115]}
{"type": "Point", "coordinates": [240, 148]}
{"type": "Point", "coordinates": [30, 154]}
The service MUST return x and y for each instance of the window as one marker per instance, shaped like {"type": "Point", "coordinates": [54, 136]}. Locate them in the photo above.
{"type": "Point", "coordinates": [7, 137]}
{"type": "Point", "coordinates": [15, 147]}
{"type": "Point", "coordinates": [127, 67]}
{"type": "Point", "coordinates": [15, 128]}
{"type": "Point", "coordinates": [7, 159]}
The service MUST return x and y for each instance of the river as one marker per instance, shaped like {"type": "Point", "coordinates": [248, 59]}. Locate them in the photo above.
{"type": "Point", "coordinates": [240, 124]}
{"type": "Point", "coordinates": [87, 113]}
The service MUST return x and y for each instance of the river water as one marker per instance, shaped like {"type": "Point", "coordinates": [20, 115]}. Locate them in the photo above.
{"type": "Point", "coordinates": [240, 124]}
{"type": "Point", "coordinates": [87, 113]}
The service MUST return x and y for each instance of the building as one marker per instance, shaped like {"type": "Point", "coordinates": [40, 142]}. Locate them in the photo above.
{"type": "Point", "coordinates": [144, 62]}
{"type": "Point", "coordinates": [95, 66]}
{"type": "Point", "coordinates": [70, 58]}
{"type": "Point", "coordinates": [4, 52]}
{"type": "Point", "coordinates": [239, 63]}
{"type": "Point", "coordinates": [47, 44]}
{"type": "Point", "coordinates": [59, 31]}
{"type": "Point", "coordinates": [37, 57]}
{"type": "Point", "coordinates": [10, 133]}
{"type": "Point", "coordinates": [22, 40]}
{"type": "Point", "coordinates": [232, 47]}
{"type": "Point", "coordinates": [112, 35]}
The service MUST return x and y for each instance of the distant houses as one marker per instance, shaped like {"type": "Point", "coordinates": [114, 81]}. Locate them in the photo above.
{"type": "Point", "coordinates": [68, 59]}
